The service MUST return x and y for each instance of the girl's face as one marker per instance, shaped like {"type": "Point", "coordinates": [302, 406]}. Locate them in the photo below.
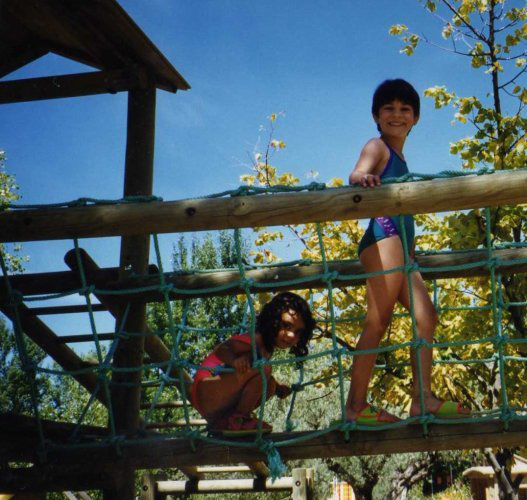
{"type": "Point", "coordinates": [290, 330]}
{"type": "Point", "coordinates": [396, 119]}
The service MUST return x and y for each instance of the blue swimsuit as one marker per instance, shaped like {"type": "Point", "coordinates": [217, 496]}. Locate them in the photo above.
{"type": "Point", "coordinates": [384, 227]}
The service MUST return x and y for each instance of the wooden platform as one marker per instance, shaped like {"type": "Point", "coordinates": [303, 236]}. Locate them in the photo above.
{"type": "Point", "coordinates": [144, 453]}
{"type": "Point", "coordinates": [54, 469]}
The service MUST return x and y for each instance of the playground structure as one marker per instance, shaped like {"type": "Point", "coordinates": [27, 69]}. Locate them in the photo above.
{"type": "Point", "coordinates": [129, 62]}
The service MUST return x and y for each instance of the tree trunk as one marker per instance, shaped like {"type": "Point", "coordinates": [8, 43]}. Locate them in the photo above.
{"type": "Point", "coordinates": [405, 478]}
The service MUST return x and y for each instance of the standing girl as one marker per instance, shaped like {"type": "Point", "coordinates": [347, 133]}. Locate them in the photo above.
{"type": "Point", "coordinates": [395, 109]}
{"type": "Point", "coordinates": [227, 399]}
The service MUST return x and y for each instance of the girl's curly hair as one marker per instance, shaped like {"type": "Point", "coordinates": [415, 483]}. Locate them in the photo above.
{"type": "Point", "coordinates": [269, 320]}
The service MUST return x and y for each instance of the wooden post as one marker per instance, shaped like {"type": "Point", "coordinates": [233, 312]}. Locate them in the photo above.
{"type": "Point", "coordinates": [310, 482]}
{"type": "Point", "coordinates": [300, 488]}
{"type": "Point", "coordinates": [126, 390]}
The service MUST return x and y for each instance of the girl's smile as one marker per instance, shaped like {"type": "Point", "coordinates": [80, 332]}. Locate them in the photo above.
{"type": "Point", "coordinates": [396, 119]}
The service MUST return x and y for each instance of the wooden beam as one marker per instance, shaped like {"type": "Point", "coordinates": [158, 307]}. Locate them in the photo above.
{"type": "Point", "coordinates": [46, 339]}
{"type": "Point", "coordinates": [20, 432]}
{"type": "Point", "coordinates": [431, 267]}
{"type": "Point", "coordinates": [75, 85]}
{"type": "Point", "coordinates": [88, 337]}
{"type": "Point", "coordinates": [225, 485]}
{"type": "Point", "coordinates": [501, 188]}
{"type": "Point", "coordinates": [298, 277]}
{"type": "Point", "coordinates": [47, 478]}
{"type": "Point", "coordinates": [43, 311]}
{"type": "Point", "coordinates": [177, 452]}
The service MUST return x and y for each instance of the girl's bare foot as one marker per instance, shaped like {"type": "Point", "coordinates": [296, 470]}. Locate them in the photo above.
{"type": "Point", "coordinates": [439, 408]}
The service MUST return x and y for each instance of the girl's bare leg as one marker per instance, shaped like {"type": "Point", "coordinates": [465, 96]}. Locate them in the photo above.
{"type": "Point", "coordinates": [382, 294]}
{"type": "Point", "coordinates": [227, 393]}
{"type": "Point", "coordinates": [426, 321]}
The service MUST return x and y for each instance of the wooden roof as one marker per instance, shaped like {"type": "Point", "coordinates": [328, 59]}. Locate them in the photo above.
{"type": "Point", "coordinates": [98, 33]}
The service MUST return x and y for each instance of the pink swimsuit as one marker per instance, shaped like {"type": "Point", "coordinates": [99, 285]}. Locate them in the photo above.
{"type": "Point", "coordinates": [211, 362]}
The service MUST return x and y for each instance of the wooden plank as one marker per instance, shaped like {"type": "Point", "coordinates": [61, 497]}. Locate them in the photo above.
{"type": "Point", "coordinates": [501, 188]}
{"type": "Point", "coordinates": [311, 276]}
{"type": "Point", "coordinates": [40, 479]}
{"type": "Point", "coordinates": [74, 85]}
{"type": "Point", "coordinates": [43, 311]}
{"type": "Point", "coordinates": [72, 339]}
{"type": "Point", "coordinates": [225, 486]}
{"type": "Point", "coordinates": [99, 34]}
{"type": "Point", "coordinates": [19, 433]}
{"type": "Point", "coordinates": [430, 265]}
{"type": "Point", "coordinates": [177, 452]}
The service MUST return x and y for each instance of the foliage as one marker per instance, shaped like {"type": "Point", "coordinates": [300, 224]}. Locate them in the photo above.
{"type": "Point", "coordinates": [16, 383]}
{"type": "Point", "coordinates": [493, 36]}
{"type": "Point", "coordinates": [8, 194]}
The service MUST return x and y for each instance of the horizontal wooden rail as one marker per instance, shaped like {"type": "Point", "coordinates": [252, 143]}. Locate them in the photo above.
{"type": "Point", "coordinates": [501, 188]}
{"type": "Point", "coordinates": [225, 485]}
{"type": "Point", "coordinates": [61, 282]}
{"type": "Point", "coordinates": [75, 85]}
{"type": "Point", "coordinates": [178, 452]}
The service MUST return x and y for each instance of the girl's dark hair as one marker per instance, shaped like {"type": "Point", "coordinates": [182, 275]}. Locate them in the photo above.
{"type": "Point", "coordinates": [399, 89]}
{"type": "Point", "coordinates": [269, 320]}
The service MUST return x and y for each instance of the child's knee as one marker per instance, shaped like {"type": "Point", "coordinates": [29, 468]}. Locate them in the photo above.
{"type": "Point", "coordinates": [428, 322]}
{"type": "Point", "coordinates": [377, 326]}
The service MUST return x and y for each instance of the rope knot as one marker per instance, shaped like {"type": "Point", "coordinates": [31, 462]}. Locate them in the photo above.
{"type": "Point", "coordinates": [491, 263]}
{"type": "Point", "coordinates": [259, 363]}
{"type": "Point", "coordinates": [87, 290]}
{"type": "Point", "coordinates": [316, 186]}
{"type": "Point", "coordinates": [274, 462]}
{"type": "Point", "coordinates": [241, 191]}
{"type": "Point", "coordinates": [419, 343]}
{"type": "Point", "coordinates": [500, 341]}
{"type": "Point", "coordinates": [485, 170]}
{"type": "Point", "coordinates": [412, 266]}
{"type": "Point", "coordinates": [329, 276]}
{"type": "Point", "coordinates": [246, 283]}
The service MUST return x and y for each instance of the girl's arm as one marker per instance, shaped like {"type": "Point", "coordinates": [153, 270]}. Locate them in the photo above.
{"type": "Point", "coordinates": [236, 354]}
{"type": "Point", "coordinates": [373, 157]}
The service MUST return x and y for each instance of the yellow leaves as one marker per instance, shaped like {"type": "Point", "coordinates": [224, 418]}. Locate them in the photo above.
{"type": "Point", "coordinates": [288, 179]}
{"type": "Point", "coordinates": [446, 33]}
{"type": "Point", "coordinates": [397, 29]}
{"type": "Point", "coordinates": [335, 182]}
{"type": "Point", "coordinates": [496, 67]}
{"type": "Point", "coordinates": [460, 118]}
{"type": "Point", "coordinates": [440, 95]}
{"type": "Point", "coordinates": [411, 40]}
{"type": "Point", "coordinates": [247, 179]}
{"type": "Point", "coordinates": [276, 144]}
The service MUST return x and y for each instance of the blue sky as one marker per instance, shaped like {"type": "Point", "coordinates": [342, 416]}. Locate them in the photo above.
{"type": "Point", "coordinates": [317, 62]}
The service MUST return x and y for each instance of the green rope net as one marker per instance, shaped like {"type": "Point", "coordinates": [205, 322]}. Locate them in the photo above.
{"type": "Point", "coordinates": [337, 356]}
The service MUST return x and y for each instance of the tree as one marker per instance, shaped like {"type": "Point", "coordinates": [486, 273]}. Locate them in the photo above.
{"type": "Point", "coordinates": [8, 194]}
{"type": "Point", "coordinates": [493, 38]}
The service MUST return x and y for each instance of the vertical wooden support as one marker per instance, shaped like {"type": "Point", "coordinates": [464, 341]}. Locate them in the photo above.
{"type": "Point", "coordinates": [302, 484]}
{"type": "Point", "coordinates": [134, 256]}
